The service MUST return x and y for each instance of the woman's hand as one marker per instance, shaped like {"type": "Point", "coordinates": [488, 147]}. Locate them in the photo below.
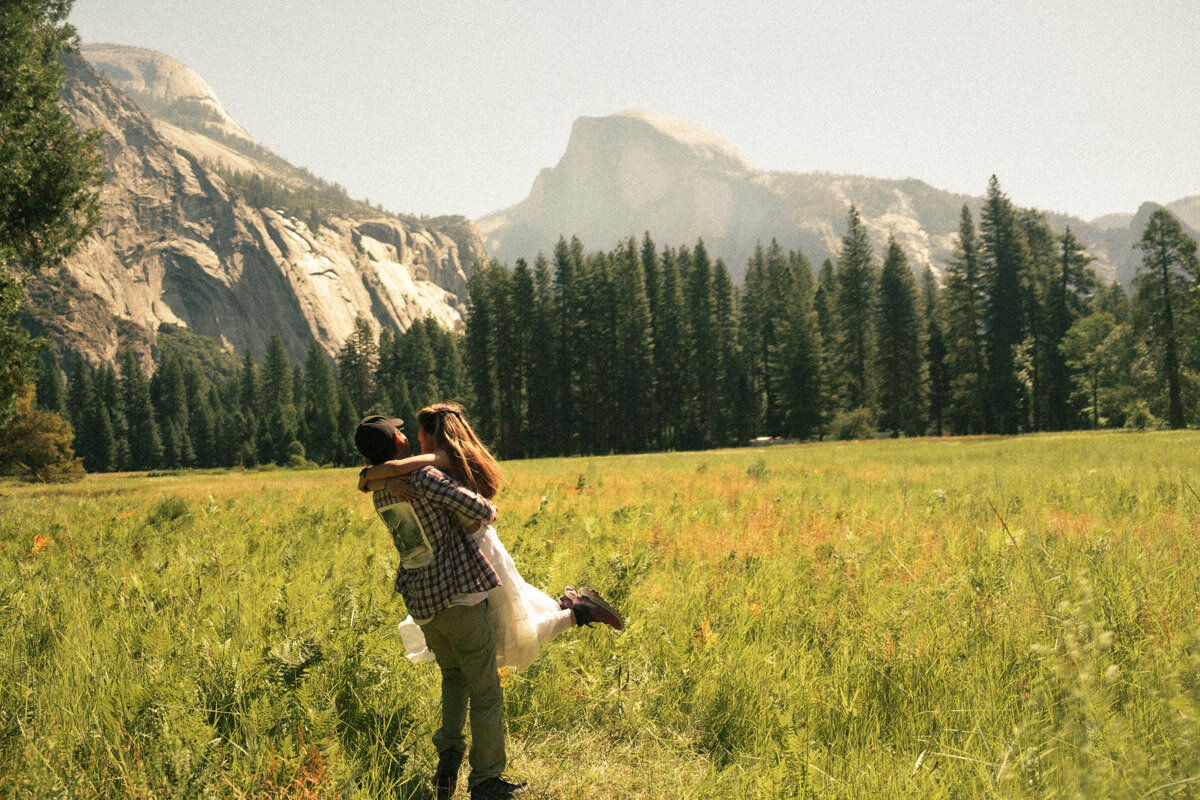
{"type": "Point", "coordinates": [400, 487]}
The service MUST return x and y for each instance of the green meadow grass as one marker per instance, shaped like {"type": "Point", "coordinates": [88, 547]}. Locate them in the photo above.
{"type": "Point", "coordinates": [952, 618]}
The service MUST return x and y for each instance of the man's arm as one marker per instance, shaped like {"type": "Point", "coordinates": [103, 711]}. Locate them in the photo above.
{"type": "Point", "coordinates": [436, 487]}
{"type": "Point", "coordinates": [398, 487]}
{"type": "Point", "coordinates": [373, 478]}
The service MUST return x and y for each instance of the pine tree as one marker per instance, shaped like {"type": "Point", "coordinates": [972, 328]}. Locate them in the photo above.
{"type": "Point", "coordinates": [651, 267]}
{"type": "Point", "coordinates": [277, 374]}
{"type": "Point", "coordinates": [633, 370]}
{"type": "Point", "coordinates": [48, 199]}
{"type": "Point", "coordinates": [51, 389]}
{"type": "Point", "coordinates": [79, 389]}
{"type": "Point", "coordinates": [17, 350]}
{"type": "Point", "coordinates": [753, 322]}
{"type": "Point", "coordinates": [963, 310]}
{"type": "Point", "coordinates": [174, 449]}
{"type": "Point", "coordinates": [280, 432]}
{"type": "Point", "coordinates": [320, 402]}
{"type": "Point", "coordinates": [145, 442]}
{"type": "Point", "coordinates": [222, 400]}
{"type": "Point", "coordinates": [202, 431]}
{"type": "Point", "coordinates": [597, 345]}
{"type": "Point", "coordinates": [1165, 283]}
{"type": "Point", "coordinates": [358, 364]}
{"type": "Point", "coordinates": [168, 393]}
{"type": "Point", "coordinates": [1083, 350]}
{"type": "Point", "coordinates": [391, 381]}
{"type": "Point", "coordinates": [1004, 261]}
{"type": "Point", "coordinates": [854, 307]}
{"type": "Point", "coordinates": [108, 391]}
{"type": "Point", "coordinates": [94, 442]}
{"type": "Point", "coordinates": [824, 308]}
{"type": "Point", "coordinates": [246, 421]}
{"type": "Point", "coordinates": [513, 357]}
{"type": "Point", "coordinates": [734, 404]}
{"type": "Point", "coordinates": [1068, 300]}
{"type": "Point", "coordinates": [419, 367]}
{"type": "Point", "coordinates": [249, 385]}
{"type": "Point", "coordinates": [1036, 280]}
{"type": "Point", "coordinates": [781, 286]}
{"type": "Point", "coordinates": [937, 376]}
{"type": "Point", "coordinates": [702, 348]}
{"type": "Point", "coordinates": [671, 353]}
{"type": "Point", "coordinates": [450, 372]}
{"type": "Point", "coordinates": [1113, 299]}
{"type": "Point", "coordinates": [796, 355]}
{"type": "Point", "coordinates": [899, 357]}
{"type": "Point", "coordinates": [568, 261]}
{"type": "Point", "coordinates": [485, 288]}
{"type": "Point", "coordinates": [543, 410]}
{"type": "Point", "coordinates": [348, 418]}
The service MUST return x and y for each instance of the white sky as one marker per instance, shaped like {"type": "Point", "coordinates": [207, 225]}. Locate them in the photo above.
{"type": "Point", "coordinates": [1082, 106]}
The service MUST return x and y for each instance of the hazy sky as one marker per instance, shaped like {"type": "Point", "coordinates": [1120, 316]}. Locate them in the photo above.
{"type": "Point", "coordinates": [1087, 107]}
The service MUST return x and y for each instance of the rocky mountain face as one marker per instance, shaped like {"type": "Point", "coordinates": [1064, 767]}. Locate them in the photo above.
{"type": "Point", "coordinates": [635, 171]}
{"type": "Point", "coordinates": [179, 245]}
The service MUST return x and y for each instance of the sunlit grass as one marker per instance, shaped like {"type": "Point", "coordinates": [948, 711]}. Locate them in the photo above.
{"type": "Point", "coordinates": [932, 618]}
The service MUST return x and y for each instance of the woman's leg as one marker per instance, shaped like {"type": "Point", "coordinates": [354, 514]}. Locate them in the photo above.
{"type": "Point", "coordinates": [559, 622]}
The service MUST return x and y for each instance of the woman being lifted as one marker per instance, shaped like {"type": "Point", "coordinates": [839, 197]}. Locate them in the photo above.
{"type": "Point", "coordinates": [468, 606]}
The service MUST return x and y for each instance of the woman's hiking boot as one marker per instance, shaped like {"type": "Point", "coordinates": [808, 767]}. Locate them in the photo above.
{"type": "Point", "coordinates": [588, 606]}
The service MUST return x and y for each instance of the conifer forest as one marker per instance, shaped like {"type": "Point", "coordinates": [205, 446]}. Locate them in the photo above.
{"type": "Point", "coordinates": [649, 348]}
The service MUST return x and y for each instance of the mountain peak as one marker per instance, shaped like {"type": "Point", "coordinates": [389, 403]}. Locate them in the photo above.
{"type": "Point", "coordinates": [638, 171]}
{"type": "Point", "coordinates": [163, 87]}
{"type": "Point", "coordinates": [696, 139]}
{"type": "Point", "coordinates": [689, 141]}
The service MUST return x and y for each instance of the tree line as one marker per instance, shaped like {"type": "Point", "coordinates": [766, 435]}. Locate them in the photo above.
{"type": "Point", "coordinates": [198, 410]}
{"type": "Point", "coordinates": [643, 348]}
{"type": "Point", "coordinates": [647, 348]}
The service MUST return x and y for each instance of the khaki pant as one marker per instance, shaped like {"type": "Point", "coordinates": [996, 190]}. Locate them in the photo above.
{"type": "Point", "coordinates": [461, 638]}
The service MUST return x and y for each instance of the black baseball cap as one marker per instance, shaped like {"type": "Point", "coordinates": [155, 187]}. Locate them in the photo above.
{"type": "Point", "coordinates": [375, 437]}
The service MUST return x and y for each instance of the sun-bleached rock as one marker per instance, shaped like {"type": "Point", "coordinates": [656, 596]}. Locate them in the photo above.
{"type": "Point", "coordinates": [177, 246]}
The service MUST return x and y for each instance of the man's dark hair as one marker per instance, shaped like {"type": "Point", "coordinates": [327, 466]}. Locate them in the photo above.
{"type": "Point", "coordinates": [375, 438]}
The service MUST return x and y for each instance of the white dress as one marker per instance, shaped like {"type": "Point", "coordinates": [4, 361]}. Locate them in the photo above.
{"type": "Point", "coordinates": [523, 617]}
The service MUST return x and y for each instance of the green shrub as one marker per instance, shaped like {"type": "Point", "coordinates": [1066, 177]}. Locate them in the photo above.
{"type": "Point", "coordinates": [857, 424]}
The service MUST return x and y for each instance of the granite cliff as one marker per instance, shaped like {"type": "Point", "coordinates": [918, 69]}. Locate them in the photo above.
{"type": "Point", "coordinates": [637, 171]}
{"type": "Point", "coordinates": [179, 244]}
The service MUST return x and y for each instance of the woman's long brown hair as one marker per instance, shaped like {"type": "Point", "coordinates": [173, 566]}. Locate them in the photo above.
{"type": "Point", "coordinates": [471, 463]}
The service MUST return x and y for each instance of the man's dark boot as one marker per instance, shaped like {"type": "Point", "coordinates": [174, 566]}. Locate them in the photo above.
{"type": "Point", "coordinates": [445, 777]}
{"type": "Point", "coordinates": [498, 789]}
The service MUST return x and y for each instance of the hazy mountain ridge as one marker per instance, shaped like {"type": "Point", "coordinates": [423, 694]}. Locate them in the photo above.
{"type": "Point", "coordinates": [634, 171]}
{"type": "Point", "coordinates": [177, 245]}
{"type": "Point", "coordinates": [1187, 209]}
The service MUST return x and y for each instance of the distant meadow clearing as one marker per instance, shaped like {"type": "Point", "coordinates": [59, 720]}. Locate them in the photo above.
{"type": "Point", "coordinates": [953, 618]}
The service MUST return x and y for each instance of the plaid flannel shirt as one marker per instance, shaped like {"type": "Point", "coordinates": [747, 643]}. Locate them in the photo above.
{"type": "Point", "coordinates": [457, 567]}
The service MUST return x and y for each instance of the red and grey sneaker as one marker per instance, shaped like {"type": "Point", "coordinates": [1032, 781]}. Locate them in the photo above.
{"type": "Point", "coordinates": [569, 596]}
{"type": "Point", "coordinates": [588, 607]}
